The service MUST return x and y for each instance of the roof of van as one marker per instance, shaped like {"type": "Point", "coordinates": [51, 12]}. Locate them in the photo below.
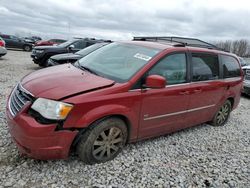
{"type": "Point", "coordinates": [162, 45]}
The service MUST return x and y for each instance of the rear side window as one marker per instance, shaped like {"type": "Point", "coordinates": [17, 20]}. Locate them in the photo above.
{"type": "Point", "coordinates": [205, 67]}
{"type": "Point", "coordinates": [231, 67]}
{"type": "Point", "coordinates": [172, 67]}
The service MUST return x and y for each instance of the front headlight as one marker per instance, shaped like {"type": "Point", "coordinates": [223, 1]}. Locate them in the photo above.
{"type": "Point", "coordinates": [50, 109]}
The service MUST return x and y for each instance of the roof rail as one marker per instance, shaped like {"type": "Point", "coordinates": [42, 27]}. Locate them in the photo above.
{"type": "Point", "coordinates": [181, 41]}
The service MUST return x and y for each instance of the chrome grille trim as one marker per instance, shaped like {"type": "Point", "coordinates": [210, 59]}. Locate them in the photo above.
{"type": "Point", "coordinates": [247, 74]}
{"type": "Point", "coordinates": [18, 98]}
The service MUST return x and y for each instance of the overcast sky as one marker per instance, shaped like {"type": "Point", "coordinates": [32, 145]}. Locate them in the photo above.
{"type": "Point", "coordinates": [122, 19]}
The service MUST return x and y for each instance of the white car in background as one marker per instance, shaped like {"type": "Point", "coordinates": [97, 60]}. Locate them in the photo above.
{"type": "Point", "coordinates": [245, 65]}
{"type": "Point", "coordinates": [3, 50]}
{"type": "Point", "coordinates": [246, 82]}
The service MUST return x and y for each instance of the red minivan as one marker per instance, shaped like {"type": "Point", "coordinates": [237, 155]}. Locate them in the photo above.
{"type": "Point", "coordinates": [120, 93]}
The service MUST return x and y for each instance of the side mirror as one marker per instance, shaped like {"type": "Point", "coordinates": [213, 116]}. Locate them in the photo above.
{"type": "Point", "coordinates": [155, 81]}
{"type": "Point", "coordinates": [72, 46]}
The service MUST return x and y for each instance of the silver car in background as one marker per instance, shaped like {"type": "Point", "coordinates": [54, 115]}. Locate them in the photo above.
{"type": "Point", "coordinates": [246, 82]}
{"type": "Point", "coordinates": [3, 50]}
{"type": "Point", "coordinates": [246, 69]}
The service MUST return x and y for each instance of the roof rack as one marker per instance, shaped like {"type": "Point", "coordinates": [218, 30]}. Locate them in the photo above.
{"type": "Point", "coordinates": [181, 41]}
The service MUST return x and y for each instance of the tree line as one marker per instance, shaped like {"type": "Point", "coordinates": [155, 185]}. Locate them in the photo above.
{"type": "Point", "coordinates": [239, 47]}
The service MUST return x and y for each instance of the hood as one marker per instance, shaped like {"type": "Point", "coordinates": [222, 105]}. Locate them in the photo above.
{"type": "Point", "coordinates": [45, 47]}
{"type": "Point", "coordinates": [62, 81]}
{"type": "Point", "coordinates": [66, 56]}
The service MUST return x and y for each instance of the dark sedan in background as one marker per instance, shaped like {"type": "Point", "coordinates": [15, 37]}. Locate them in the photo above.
{"type": "Point", "coordinates": [12, 41]}
{"type": "Point", "coordinates": [41, 54]}
{"type": "Point", "coordinates": [73, 57]}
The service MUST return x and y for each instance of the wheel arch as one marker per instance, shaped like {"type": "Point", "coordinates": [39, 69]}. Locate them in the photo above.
{"type": "Point", "coordinates": [231, 99]}
{"type": "Point", "coordinates": [94, 123]}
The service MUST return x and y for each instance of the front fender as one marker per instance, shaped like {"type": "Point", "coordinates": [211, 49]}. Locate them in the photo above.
{"type": "Point", "coordinates": [110, 110]}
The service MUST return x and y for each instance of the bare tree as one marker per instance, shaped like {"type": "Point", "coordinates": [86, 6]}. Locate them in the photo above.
{"type": "Point", "coordinates": [238, 47]}
{"type": "Point", "coordinates": [224, 45]}
{"type": "Point", "coordinates": [242, 48]}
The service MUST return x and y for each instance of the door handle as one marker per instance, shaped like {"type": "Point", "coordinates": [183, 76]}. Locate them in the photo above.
{"type": "Point", "coordinates": [184, 92]}
{"type": "Point", "coordinates": [197, 91]}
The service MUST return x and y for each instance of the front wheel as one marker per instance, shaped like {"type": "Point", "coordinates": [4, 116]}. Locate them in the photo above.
{"type": "Point", "coordinates": [103, 142]}
{"type": "Point", "coordinates": [27, 48]}
{"type": "Point", "coordinates": [222, 115]}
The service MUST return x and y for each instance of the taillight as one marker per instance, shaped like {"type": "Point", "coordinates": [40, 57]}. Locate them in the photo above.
{"type": "Point", "coordinates": [2, 43]}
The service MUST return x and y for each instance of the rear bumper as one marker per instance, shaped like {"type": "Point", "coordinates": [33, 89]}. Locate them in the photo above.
{"type": "Point", "coordinates": [39, 141]}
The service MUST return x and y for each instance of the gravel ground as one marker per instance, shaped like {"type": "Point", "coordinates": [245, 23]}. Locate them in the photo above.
{"type": "Point", "coordinates": [203, 156]}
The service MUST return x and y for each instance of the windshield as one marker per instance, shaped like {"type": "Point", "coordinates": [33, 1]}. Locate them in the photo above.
{"type": "Point", "coordinates": [118, 61]}
{"type": "Point", "coordinates": [90, 49]}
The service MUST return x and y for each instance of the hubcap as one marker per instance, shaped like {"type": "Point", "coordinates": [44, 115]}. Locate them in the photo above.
{"type": "Point", "coordinates": [107, 143]}
{"type": "Point", "coordinates": [223, 114]}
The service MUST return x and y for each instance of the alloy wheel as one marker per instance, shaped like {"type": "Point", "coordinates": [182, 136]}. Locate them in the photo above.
{"type": "Point", "coordinates": [223, 114]}
{"type": "Point", "coordinates": [27, 48]}
{"type": "Point", "coordinates": [107, 143]}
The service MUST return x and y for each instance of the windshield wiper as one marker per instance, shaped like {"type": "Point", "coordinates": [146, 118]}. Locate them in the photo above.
{"type": "Point", "coordinates": [86, 68]}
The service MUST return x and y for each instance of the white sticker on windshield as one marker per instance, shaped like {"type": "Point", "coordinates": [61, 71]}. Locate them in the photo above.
{"type": "Point", "coordinates": [142, 56]}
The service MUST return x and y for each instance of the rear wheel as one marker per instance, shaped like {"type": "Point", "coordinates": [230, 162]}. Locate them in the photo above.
{"type": "Point", "coordinates": [222, 115]}
{"type": "Point", "coordinates": [103, 142]}
{"type": "Point", "coordinates": [27, 48]}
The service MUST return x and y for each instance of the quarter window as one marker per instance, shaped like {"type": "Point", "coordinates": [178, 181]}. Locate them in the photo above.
{"type": "Point", "coordinates": [205, 67]}
{"type": "Point", "coordinates": [172, 67]}
{"type": "Point", "coordinates": [231, 67]}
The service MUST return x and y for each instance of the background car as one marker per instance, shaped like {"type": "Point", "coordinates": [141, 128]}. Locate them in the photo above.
{"type": "Point", "coordinates": [3, 50]}
{"type": "Point", "coordinates": [50, 42]}
{"type": "Point", "coordinates": [242, 62]}
{"type": "Point", "coordinates": [36, 38]}
{"type": "Point", "coordinates": [32, 39]}
{"type": "Point", "coordinates": [41, 54]}
{"type": "Point", "coordinates": [12, 41]}
{"type": "Point", "coordinates": [29, 40]}
{"type": "Point", "coordinates": [246, 82]}
{"type": "Point", "coordinates": [73, 57]}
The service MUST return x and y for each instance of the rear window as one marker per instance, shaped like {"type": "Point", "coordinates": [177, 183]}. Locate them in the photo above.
{"type": "Point", "coordinates": [231, 67]}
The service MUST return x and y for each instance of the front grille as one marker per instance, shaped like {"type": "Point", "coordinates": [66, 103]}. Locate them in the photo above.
{"type": "Point", "coordinates": [18, 99]}
{"type": "Point", "coordinates": [247, 74]}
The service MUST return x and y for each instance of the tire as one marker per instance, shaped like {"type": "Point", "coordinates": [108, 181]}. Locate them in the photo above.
{"type": "Point", "coordinates": [27, 48]}
{"type": "Point", "coordinates": [43, 63]}
{"type": "Point", "coordinates": [222, 115]}
{"type": "Point", "coordinates": [103, 142]}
